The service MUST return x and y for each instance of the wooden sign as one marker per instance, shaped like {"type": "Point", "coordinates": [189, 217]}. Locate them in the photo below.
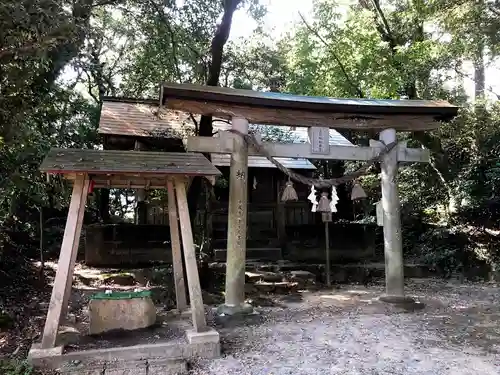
{"type": "Point", "coordinates": [320, 140]}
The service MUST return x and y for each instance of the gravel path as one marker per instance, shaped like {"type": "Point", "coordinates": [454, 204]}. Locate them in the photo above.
{"type": "Point", "coordinates": [349, 332]}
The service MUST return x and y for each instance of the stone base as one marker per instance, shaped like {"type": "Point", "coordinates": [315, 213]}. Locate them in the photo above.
{"type": "Point", "coordinates": [396, 300]}
{"type": "Point", "coordinates": [162, 356]}
{"type": "Point", "coordinates": [126, 314]}
{"type": "Point", "coordinates": [405, 302]}
{"type": "Point", "coordinates": [243, 309]}
{"type": "Point", "coordinates": [43, 356]}
{"type": "Point", "coordinates": [210, 336]}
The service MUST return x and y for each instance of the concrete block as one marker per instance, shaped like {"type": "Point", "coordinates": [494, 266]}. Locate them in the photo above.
{"type": "Point", "coordinates": [210, 336]}
{"type": "Point", "coordinates": [40, 357]}
{"type": "Point", "coordinates": [126, 314]}
{"type": "Point", "coordinates": [37, 351]}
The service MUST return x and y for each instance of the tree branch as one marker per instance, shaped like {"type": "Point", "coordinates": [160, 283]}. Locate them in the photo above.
{"type": "Point", "coordinates": [354, 86]}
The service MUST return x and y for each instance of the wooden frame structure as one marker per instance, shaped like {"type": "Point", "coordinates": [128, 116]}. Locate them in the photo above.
{"type": "Point", "coordinates": [127, 169]}
{"type": "Point", "coordinates": [244, 106]}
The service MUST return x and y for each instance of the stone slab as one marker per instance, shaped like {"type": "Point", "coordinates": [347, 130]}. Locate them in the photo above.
{"type": "Point", "coordinates": [210, 336]}
{"type": "Point", "coordinates": [126, 314]}
{"type": "Point", "coordinates": [42, 357]}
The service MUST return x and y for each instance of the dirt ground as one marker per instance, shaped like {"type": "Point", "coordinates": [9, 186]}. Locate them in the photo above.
{"type": "Point", "coordinates": [341, 330]}
{"type": "Point", "coordinates": [346, 331]}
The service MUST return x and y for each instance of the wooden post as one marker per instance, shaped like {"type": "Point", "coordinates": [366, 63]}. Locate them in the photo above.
{"type": "Point", "coordinates": [280, 213]}
{"type": "Point", "coordinates": [180, 286]}
{"type": "Point", "coordinates": [193, 278]}
{"type": "Point", "coordinates": [393, 243]}
{"type": "Point", "coordinates": [237, 224]}
{"type": "Point", "coordinates": [327, 255]}
{"type": "Point", "coordinates": [141, 213]}
{"type": "Point", "coordinates": [74, 253]}
{"type": "Point", "coordinates": [66, 264]}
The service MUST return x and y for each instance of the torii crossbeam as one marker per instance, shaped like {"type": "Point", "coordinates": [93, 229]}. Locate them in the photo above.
{"type": "Point", "coordinates": [244, 106]}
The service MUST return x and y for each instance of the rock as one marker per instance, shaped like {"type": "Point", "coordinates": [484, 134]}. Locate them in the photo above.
{"type": "Point", "coordinates": [267, 267]}
{"type": "Point", "coordinates": [68, 336]}
{"type": "Point", "coordinates": [119, 279]}
{"type": "Point", "coordinates": [256, 276]}
{"type": "Point", "coordinates": [264, 287]}
{"type": "Point", "coordinates": [127, 314]}
{"type": "Point", "coordinates": [302, 275]}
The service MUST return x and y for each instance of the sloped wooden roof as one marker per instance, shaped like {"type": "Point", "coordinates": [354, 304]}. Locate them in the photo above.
{"type": "Point", "coordinates": [286, 109]}
{"type": "Point", "coordinates": [137, 163]}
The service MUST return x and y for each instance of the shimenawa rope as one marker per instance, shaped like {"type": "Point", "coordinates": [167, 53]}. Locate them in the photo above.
{"type": "Point", "coordinates": [252, 141]}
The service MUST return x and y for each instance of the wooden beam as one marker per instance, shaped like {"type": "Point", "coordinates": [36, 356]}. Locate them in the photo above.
{"type": "Point", "coordinates": [180, 286]}
{"type": "Point", "coordinates": [66, 263]}
{"type": "Point", "coordinates": [224, 145]}
{"type": "Point", "coordinates": [295, 117]}
{"type": "Point", "coordinates": [193, 278]}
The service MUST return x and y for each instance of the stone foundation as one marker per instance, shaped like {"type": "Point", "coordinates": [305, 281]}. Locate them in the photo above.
{"type": "Point", "coordinates": [121, 311]}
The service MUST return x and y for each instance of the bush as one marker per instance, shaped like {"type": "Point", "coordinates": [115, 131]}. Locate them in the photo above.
{"type": "Point", "coordinates": [15, 367]}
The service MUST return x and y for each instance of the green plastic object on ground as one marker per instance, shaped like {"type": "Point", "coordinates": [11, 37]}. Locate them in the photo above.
{"type": "Point", "coordinates": [122, 295]}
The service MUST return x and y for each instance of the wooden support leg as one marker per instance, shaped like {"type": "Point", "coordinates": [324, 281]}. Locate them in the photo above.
{"type": "Point", "coordinates": [393, 242]}
{"type": "Point", "coordinates": [74, 251]}
{"type": "Point", "coordinates": [180, 286]}
{"type": "Point", "coordinates": [66, 264]}
{"type": "Point", "coordinates": [193, 279]}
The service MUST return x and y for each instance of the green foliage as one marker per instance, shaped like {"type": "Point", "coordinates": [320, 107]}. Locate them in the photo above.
{"type": "Point", "coordinates": [372, 49]}
{"type": "Point", "coordinates": [15, 367]}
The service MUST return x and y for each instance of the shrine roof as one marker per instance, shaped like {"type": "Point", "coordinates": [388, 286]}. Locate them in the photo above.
{"type": "Point", "coordinates": [143, 118]}
{"type": "Point", "coordinates": [136, 163]}
{"type": "Point", "coordinates": [287, 109]}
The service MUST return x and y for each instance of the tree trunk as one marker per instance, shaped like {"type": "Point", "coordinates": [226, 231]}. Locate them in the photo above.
{"type": "Point", "coordinates": [205, 128]}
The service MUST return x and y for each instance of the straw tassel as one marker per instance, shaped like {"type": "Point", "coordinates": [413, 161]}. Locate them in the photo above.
{"type": "Point", "coordinates": [324, 203]}
{"type": "Point", "coordinates": [357, 192]}
{"type": "Point", "coordinates": [289, 194]}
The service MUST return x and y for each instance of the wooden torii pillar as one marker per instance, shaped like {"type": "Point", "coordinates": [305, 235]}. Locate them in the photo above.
{"type": "Point", "coordinates": [133, 170]}
{"type": "Point", "coordinates": [229, 143]}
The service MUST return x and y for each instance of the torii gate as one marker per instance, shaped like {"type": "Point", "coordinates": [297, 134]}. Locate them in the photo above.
{"type": "Point", "coordinates": [318, 113]}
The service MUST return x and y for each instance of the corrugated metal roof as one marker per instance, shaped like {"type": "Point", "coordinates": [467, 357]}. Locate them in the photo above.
{"type": "Point", "coordinates": [223, 160]}
{"type": "Point", "coordinates": [301, 135]}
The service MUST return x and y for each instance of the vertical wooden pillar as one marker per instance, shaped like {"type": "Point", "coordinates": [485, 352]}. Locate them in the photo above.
{"type": "Point", "coordinates": [180, 286]}
{"type": "Point", "coordinates": [193, 278]}
{"type": "Point", "coordinates": [393, 242]}
{"type": "Point", "coordinates": [64, 275]}
{"type": "Point", "coordinates": [280, 213]}
{"type": "Point", "coordinates": [141, 213]}
{"type": "Point", "coordinates": [237, 224]}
